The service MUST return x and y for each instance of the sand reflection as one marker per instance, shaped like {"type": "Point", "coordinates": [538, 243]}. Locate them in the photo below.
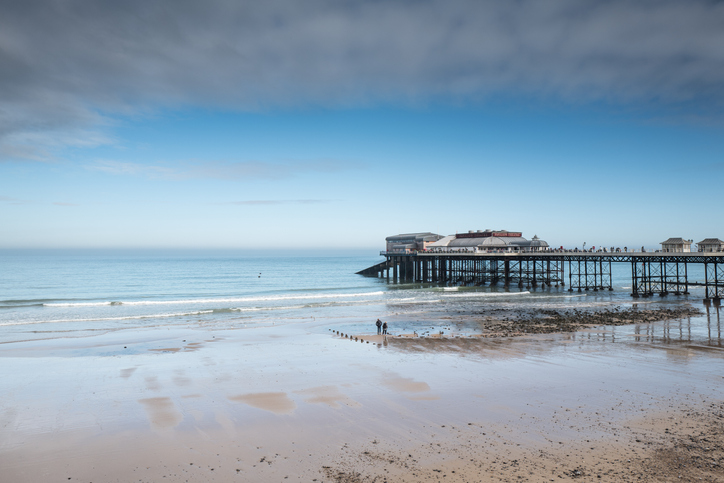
{"type": "Point", "coordinates": [275, 402]}
{"type": "Point", "coordinates": [161, 412]}
{"type": "Point", "coordinates": [329, 395]}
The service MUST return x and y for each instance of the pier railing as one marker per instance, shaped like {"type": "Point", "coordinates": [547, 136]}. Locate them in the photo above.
{"type": "Point", "coordinates": [466, 251]}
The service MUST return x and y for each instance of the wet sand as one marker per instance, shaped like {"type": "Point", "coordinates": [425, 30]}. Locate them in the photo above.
{"type": "Point", "coordinates": [301, 403]}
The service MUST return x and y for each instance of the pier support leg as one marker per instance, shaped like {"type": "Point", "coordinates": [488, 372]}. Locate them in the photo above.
{"type": "Point", "coordinates": [686, 279]}
{"type": "Point", "coordinates": [570, 276]}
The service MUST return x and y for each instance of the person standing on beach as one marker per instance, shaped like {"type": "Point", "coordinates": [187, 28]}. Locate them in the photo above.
{"type": "Point", "coordinates": [384, 328]}
{"type": "Point", "coordinates": [379, 326]}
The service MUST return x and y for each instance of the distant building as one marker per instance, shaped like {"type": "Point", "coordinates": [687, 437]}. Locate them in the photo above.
{"type": "Point", "coordinates": [410, 242]}
{"type": "Point", "coordinates": [710, 245]}
{"type": "Point", "coordinates": [489, 240]}
{"type": "Point", "coordinates": [676, 245]}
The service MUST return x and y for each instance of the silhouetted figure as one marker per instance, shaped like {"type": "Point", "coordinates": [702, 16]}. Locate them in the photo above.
{"type": "Point", "coordinates": [379, 326]}
{"type": "Point", "coordinates": [384, 328]}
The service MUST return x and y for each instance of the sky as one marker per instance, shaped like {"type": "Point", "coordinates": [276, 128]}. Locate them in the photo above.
{"type": "Point", "coordinates": [322, 124]}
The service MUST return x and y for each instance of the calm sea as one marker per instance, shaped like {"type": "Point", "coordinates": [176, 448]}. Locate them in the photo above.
{"type": "Point", "coordinates": [80, 294]}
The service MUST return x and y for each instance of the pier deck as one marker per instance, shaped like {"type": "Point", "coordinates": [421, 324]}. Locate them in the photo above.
{"type": "Point", "coordinates": [660, 273]}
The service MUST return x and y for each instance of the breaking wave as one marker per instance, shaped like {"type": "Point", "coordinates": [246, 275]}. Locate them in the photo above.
{"type": "Point", "coordinates": [102, 319]}
{"type": "Point", "coordinates": [487, 294]}
{"type": "Point", "coordinates": [269, 298]}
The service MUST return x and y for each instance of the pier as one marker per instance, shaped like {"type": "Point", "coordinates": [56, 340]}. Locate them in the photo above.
{"type": "Point", "coordinates": [652, 273]}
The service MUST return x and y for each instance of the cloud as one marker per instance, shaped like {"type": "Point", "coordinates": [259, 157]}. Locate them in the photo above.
{"type": "Point", "coordinates": [241, 170]}
{"type": "Point", "coordinates": [264, 170]}
{"type": "Point", "coordinates": [17, 201]}
{"type": "Point", "coordinates": [276, 202]}
{"type": "Point", "coordinates": [14, 201]}
{"type": "Point", "coordinates": [134, 169]}
{"type": "Point", "coordinates": [67, 68]}
{"type": "Point", "coordinates": [32, 128]}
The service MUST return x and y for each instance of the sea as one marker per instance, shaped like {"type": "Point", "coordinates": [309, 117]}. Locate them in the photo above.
{"type": "Point", "coordinates": [48, 295]}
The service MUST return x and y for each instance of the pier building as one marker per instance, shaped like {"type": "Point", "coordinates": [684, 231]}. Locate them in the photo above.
{"type": "Point", "coordinates": [710, 245]}
{"type": "Point", "coordinates": [676, 245]}
{"type": "Point", "coordinates": [410, 242]}
{"type": "Point", "coordinates": [488, 240]}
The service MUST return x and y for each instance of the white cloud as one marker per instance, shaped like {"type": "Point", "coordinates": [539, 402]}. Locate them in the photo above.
{"type": "Point", "coordinates": [276, 202]}
{"type": "Point", "coordinates": [134, 169]}
{"type": "Point", "coordinates": [241, 170]}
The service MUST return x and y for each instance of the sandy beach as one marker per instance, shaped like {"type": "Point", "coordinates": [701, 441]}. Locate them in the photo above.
{"type": "Point", "coordinates": [303, 403]}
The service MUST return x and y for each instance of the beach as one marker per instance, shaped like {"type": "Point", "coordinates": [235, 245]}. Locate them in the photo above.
{"type": "Point", "coordinates": [297, 404]}
{"type": "Point", "coordinates": [235, 369]}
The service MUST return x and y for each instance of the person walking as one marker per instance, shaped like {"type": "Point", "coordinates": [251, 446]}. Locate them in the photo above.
{"type": "Point", "coordinates": [379, 326]}
{"type": "Point", "coordinates": [384, 328]}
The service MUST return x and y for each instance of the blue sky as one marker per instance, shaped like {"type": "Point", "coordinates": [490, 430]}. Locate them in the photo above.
{"type": "Point", "coordinates": [573, 123]}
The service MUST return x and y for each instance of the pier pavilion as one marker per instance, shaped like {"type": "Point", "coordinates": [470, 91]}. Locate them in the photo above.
{"type": "Point", "coordinates": [710, 245]}
{"type": "Point", "coordinates": [488, 240]}
{"type": "Point", "coordinates": [676, 245]}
